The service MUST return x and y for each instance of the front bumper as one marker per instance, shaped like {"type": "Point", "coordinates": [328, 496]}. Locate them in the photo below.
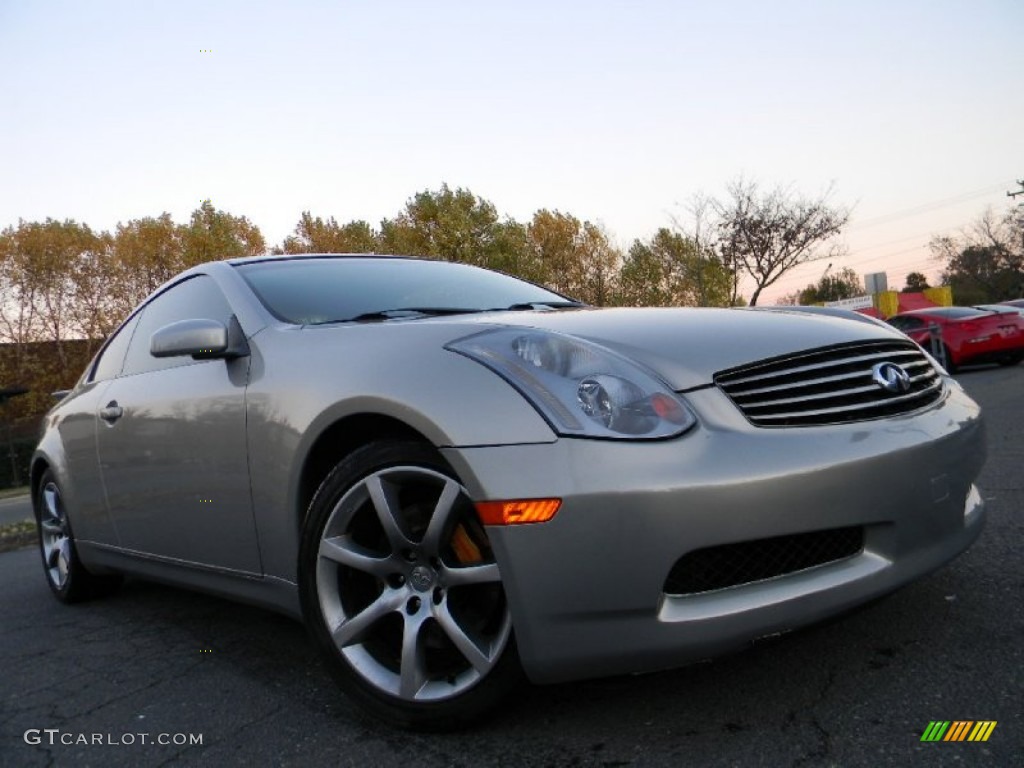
{"type": "Point", "coordinates": [586, 589]}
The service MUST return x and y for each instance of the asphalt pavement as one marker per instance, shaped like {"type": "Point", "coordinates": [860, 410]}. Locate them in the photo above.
{"type": "Point", "coordinates": [115, 676]}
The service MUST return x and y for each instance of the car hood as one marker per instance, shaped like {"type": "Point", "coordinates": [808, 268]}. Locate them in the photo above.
{"type": "Point", "coordinates": [686, 347]}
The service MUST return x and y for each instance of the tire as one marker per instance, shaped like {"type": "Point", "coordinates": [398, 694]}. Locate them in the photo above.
{"type": "Point", "coordinates": [401, 591]}
{"type": "Point", "coordinates": [69, 580]}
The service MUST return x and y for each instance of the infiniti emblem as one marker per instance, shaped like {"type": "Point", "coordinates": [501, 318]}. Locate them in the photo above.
{"type": "Point", "coordinates": [891, 377]}
{"type": "Point", "coordinates": [422, 578]}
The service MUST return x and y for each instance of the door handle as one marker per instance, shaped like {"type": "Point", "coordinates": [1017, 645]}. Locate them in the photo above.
{"type": "Point", "coordinates": [112, 412]}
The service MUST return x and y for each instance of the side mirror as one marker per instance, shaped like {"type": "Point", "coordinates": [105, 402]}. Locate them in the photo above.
{"type": "Point", "coordinates": [202, 339]}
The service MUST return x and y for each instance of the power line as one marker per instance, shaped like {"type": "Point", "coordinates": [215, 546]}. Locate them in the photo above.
{"type": "Point", "coordinates": [926, 207]}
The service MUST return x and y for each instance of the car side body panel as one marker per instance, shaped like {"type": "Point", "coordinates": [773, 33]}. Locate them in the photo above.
{"type": "Point", "coordinates": [174, 468]}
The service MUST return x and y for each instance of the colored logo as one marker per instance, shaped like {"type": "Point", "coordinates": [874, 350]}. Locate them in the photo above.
{"type": "Point", "coordinates": [958, 730]}
{"type": "Point", "coordinates": [891, 377]}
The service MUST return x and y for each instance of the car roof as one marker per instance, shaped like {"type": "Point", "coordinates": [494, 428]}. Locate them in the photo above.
{"type": "Point", "coordinates": [300, 256]}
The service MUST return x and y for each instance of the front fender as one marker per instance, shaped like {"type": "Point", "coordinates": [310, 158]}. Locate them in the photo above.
{"type": "Point", "coordinates": [319, 377]}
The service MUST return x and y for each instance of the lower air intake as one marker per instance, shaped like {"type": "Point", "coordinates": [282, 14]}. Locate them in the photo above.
{"type": "Point", "coordinates": [731, 565]}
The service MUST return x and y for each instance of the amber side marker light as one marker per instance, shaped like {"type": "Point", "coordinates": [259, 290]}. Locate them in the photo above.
{"type": "Point", "coordinates": [517, 512]}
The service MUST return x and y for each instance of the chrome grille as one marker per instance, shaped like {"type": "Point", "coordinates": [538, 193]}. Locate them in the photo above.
{"type": "Point", "coordinates": [831, 385]}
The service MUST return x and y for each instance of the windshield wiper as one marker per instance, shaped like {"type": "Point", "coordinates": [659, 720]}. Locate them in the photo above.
{"type": "Point", "coordinates": [393, 314]}
{"type": "Point", "coordinates": [526, 306]}
{"type": "Point", "coordinates": [409, 312]}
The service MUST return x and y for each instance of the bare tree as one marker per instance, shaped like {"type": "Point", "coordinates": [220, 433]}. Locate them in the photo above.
{"type": "Point", "coordinates": [766, 234]}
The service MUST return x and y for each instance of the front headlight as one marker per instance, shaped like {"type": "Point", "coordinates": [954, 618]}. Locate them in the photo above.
{"type": "Point", "coordinates": [581, 388]}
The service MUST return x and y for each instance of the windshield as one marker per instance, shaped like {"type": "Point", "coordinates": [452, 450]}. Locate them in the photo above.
{"type": "Point", "coordinates": [310, 291]}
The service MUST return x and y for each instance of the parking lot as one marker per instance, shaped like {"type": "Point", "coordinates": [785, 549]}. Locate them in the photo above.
{"type": "Point", "coordinates": [158, 664]}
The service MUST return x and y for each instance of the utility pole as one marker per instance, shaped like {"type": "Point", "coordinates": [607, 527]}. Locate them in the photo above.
{"type": "Point", "coordinates": [1019, 191]}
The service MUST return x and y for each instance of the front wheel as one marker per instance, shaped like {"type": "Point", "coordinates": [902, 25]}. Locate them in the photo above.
{"type": "Point", "coordinates": [401, 590]}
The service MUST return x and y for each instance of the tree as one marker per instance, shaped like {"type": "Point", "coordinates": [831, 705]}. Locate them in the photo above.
{"type": "Point", "coordinates": [453, 226]}
{"type": "Point", "coordinates": [94, 311]}
{"type": "Point", "coordinates": [17, 298]}
{"type": "Point", "coordinates": [986, 262]}
{"type": "Point", "coordinates": [916, 282]}
{"type": "Point", "coordinates": [844, 284]}
{"type": "Point", "coordinates": [43, 269]}
{"type": "Point", "coordinates": [702, 230]}
{"type": "Point", "coordinates": [213, 234]}
{"type": "Point", "coordinates": [767, 234]}
{"type": "Point", "coordinates": [672, 270]}
{"type": "Point", "coordinates": [601, 262]}
{"type": "Point", "coordinates": [575, 258]}
{"type": "Point", "coordinates": [147, 252]}
{"type": "Point", "coordinates": [314, 235]}
{"type": "Point", "coordinates": [644, 280]}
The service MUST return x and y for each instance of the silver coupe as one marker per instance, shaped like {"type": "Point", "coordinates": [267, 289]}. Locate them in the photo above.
{"type": "Point", "coordinates": [455, 477]}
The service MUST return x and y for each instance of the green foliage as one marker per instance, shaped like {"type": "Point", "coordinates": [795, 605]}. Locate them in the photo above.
{"type": "Point", "coordinates": [147, 252]}
{"type": "Point", "coordinates": [314, 235]}
{"type": "Point", "coordinates": [213, 234]}
{"type": "Point", "coordinates": [448, 225]}
{"type": "Point", "coordinates": [986, 263]}
{"type": "Point", "coordinates": [916, 282]}
{"type": "Point", "coordinates": [844, 284]}
{"type": "Point", "coordinates": [671, 270]}
{"type": "Point", "coordinates": [572, 257]}
{"type": "Point", "coordinates": [46, 290]}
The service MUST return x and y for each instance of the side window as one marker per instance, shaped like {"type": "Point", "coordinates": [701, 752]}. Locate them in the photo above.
{"type": "Point", "coordinates": [197, 298]}
{"type": "Point", "coordinates": [108, 364]}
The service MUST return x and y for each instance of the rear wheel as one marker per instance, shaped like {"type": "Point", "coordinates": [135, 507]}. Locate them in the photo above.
{"type": "Point", "coordinates": [69, 580]}
{"type": "Point", "coordinates": [401, 590]}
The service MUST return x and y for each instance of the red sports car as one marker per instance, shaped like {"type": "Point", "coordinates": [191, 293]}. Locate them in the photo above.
{"type": "Point", "coordinates": [969, 334]}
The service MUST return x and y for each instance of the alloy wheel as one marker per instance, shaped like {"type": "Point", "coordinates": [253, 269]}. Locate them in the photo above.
{"type": "Point", "coordinates": [55, 538]}
{"type": "Point", "coordinates": [408, 586]}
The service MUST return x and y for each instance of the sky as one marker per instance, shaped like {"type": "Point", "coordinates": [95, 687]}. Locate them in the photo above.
{"type": "Point", "coordinates": [615, 112]}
